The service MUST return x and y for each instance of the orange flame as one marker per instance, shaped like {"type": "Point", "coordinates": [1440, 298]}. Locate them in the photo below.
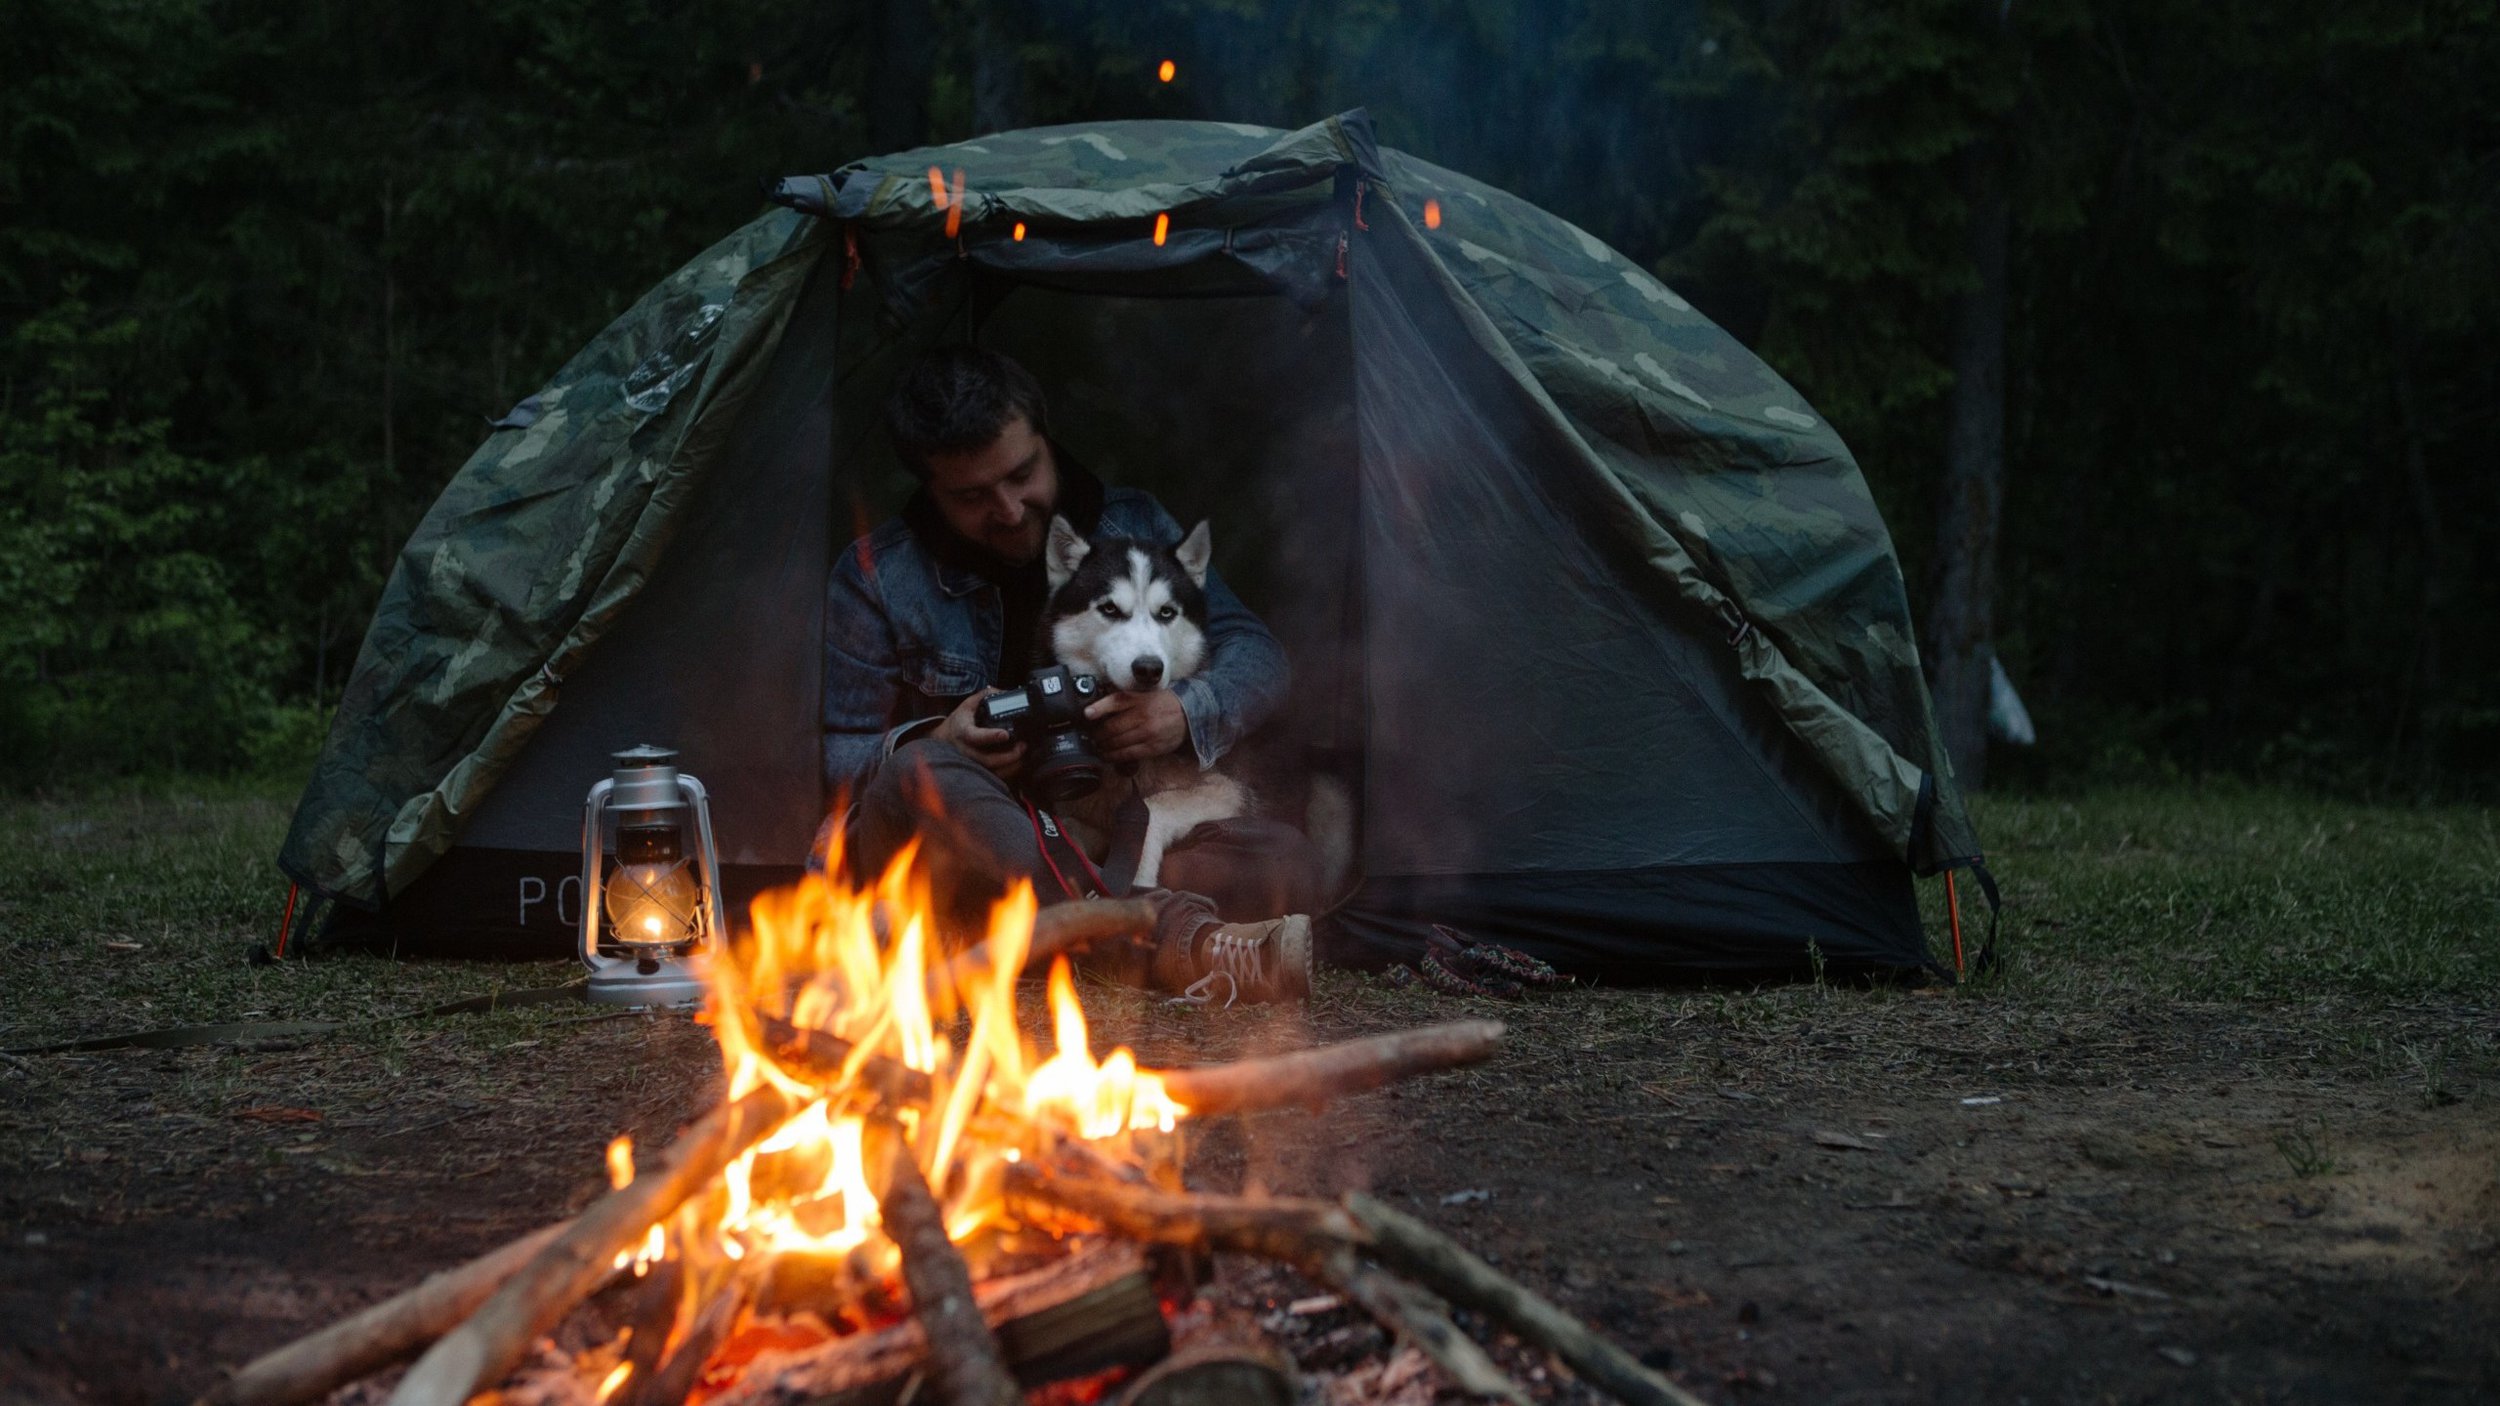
{"type": "Point", "coordinates": [1019, 234]}
{"type": "Point", "coordinates": [862, 966]}
{"type": "Point", "coordinates": [1163, 228]}
{"type": "Point", "coordinates": [1167, 70]}
{"type": "Point", "coordinates": [953, 205]}
{"type": "Point", "coordinates": [615, 1379]}
{"type": "Point", "coordinates": [937, 187]}
{"type": "Point", "coordinates": [1432, 214]}
{"type": "Point", "coordinates": [621, 1162]}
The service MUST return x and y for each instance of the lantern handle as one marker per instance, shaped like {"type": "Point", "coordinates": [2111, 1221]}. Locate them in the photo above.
{"type": "Point", "coordinates": [700, 801]}
{"type": "Point", "coordinates": [594, 857]}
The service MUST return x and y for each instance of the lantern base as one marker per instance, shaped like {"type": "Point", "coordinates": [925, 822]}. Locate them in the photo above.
{"type": "Point", "coordinates": [623, 983]}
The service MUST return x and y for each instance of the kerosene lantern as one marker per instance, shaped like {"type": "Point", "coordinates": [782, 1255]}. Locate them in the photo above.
{"type": "Point", "coordinates": [650, 882]}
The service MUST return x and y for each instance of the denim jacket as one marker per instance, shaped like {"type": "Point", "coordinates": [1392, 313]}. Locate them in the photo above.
{"type": "Point", "coordinates": [908, 637]}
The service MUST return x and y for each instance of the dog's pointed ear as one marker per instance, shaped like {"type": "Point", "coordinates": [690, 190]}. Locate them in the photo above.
{"type": "Point", "coordinates": [1064, 552]}
{"type": "Point", "coordinates": [1194, 551]}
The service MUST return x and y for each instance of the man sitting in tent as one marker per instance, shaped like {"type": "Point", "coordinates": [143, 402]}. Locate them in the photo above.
{"type": "Point", "coordinates": [943, 604]}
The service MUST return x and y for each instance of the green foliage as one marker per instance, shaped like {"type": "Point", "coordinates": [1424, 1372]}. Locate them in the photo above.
{"type": "Point", "coordinates": [121, 641]}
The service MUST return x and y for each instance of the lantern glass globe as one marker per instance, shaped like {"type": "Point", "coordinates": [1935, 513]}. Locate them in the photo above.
{"type": "Point", "coordinates": [652, 905]}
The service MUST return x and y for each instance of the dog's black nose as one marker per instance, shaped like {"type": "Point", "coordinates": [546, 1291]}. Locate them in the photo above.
{"type": "Point", "coordinates": [1149, 671]}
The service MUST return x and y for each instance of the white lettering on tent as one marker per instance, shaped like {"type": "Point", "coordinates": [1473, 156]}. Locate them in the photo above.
{"type": "Point", "coordinates": [1782, 415]}
{"type": "Point", "coordinates": [533, 890]}
{"type": "Point", "coordinates": [569, 901]}
{"type": "Point", "coordinates": [1658, 373]}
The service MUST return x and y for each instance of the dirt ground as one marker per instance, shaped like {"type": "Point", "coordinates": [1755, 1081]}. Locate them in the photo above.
{"type": "Point", "coordinates": [1791, 1194]}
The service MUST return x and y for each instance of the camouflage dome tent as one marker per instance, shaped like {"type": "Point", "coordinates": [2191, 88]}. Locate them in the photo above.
{"type": "Point", "coordinates": [1596, 616]}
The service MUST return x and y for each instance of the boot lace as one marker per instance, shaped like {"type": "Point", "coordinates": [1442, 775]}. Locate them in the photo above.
{"type": "Point", "coordinates": [1238, 959]}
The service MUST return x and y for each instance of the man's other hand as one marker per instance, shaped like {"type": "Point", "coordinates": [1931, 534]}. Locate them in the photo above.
{"type": "Point", "coordinates": [1131, 727]}
{"type": "Point", "coordinates": [993, 747]}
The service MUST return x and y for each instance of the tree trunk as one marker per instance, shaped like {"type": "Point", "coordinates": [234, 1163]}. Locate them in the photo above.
{"type": "Point", "coordinates": [1961, 620]}
{"type": "Point", "coordinates": [902, 46]}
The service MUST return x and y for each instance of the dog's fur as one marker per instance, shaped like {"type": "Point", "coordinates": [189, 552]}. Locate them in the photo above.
{"type": "Point", "coordinates": [1134, 615]}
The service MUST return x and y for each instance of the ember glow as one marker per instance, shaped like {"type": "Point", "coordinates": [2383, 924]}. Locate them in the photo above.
{"type": "Point", "coordinates": [1019, 232]}
{"type": "Point", "coordinates": [1167, 71]}
{"type": "Point", "coordinates": [857, 975]}
{"type": "Point", "coordinates": [953, 205]}
{"type": "Point", "coordinates": [1432, 214]}
{"type": "Point", "coordinates": [1163, 228]}
{"type": "Point", "coordinates": [621, 1162]}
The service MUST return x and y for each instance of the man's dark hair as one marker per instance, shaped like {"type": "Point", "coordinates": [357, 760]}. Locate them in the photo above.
{"type": "Point", "coordinates": [955, 400]}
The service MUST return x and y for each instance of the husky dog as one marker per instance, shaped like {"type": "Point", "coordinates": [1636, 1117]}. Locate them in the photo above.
{"type": "Point", "coordinates": [1135, 616]}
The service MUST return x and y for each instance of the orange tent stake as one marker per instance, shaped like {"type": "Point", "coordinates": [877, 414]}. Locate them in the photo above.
{"type": "Point", "coordinates": [1953, 910]}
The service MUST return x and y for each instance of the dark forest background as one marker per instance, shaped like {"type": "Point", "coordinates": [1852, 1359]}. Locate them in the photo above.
{"type": "Point", "coordinates": [267, 268]}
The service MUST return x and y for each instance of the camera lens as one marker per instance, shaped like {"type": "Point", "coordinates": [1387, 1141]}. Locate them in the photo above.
{"type": "Point", "coordinates": [1066, 769]}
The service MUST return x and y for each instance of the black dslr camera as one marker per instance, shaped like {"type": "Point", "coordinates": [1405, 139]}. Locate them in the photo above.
{"type": "Point", "coordinates": [1047, 715]}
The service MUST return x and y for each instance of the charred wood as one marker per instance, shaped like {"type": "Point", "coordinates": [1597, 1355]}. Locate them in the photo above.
{"type": "Point", "coordinates": [965, 1368]}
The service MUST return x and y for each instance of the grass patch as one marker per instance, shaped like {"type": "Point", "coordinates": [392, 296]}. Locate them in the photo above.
{"type": "Point", "coordinates": [135, 908]}
{"type": "Point", "coordinates": [2235, 894]}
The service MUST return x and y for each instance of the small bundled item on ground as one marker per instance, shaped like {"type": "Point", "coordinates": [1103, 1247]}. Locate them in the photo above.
{"type": "Point", "coordinates": [1457, 965]}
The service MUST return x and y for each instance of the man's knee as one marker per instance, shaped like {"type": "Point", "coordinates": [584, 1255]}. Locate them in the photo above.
{"type": "Point", "coordinates": [929, 771]}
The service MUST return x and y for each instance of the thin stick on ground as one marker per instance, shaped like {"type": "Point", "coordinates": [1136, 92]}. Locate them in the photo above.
{"type": "Point", "coordinates": [1418, 1251]}
{"type": "Point", "coordinates": [1315, 1076]}
{"type": "Point", "coordinates": [965, 1365]}
{"type": "Point", "coordinates": [1407, 1312]}
{"type": "Point", "coordinates": [312, 1367]}
{"type": "Point", "coordinates": [480, 1351]}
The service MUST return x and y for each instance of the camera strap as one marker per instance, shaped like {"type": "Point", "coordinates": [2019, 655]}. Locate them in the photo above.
{"type": "Point", "coordinates": [1063, 856]}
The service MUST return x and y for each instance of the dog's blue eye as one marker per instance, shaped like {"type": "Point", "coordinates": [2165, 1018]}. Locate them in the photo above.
{"type": "Point", "coordinates": [1166, 613]}
{"type": "Point", "coordinates": [1110, 611]}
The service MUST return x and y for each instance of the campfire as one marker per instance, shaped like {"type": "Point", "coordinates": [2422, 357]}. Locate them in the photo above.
{"type": "Point", "coordinates": [904, 1196]}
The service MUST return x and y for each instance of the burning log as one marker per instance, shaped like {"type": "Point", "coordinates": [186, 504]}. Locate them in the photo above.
{"type": "Point", "coordinates": [678, 1371]}
{"type": "Point", "coordinates": [311, 1368]}
{"type": "Point", "coordinates": [1314, 1077]}
{"type": "Point", "coordinates": [649, 1317]}
{"type": "Point", "coordinates": [965, 1368]}
{"type": "Point", "coordinates": [1415, 1249]}
{"type": "Point", "coordinates": [1093, 1310]}
{"type": "Point", "coordinates": [480, 1351]}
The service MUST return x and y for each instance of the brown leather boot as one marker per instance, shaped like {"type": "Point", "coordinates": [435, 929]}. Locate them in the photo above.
{"type": "Point", "coordinates": [1221, 963]}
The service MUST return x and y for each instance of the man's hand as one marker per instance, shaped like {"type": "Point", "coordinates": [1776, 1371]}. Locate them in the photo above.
{"type": "Point", "coordinates": [993, 747]}
{"type": "Point", "coordinates": [1131, 727]}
